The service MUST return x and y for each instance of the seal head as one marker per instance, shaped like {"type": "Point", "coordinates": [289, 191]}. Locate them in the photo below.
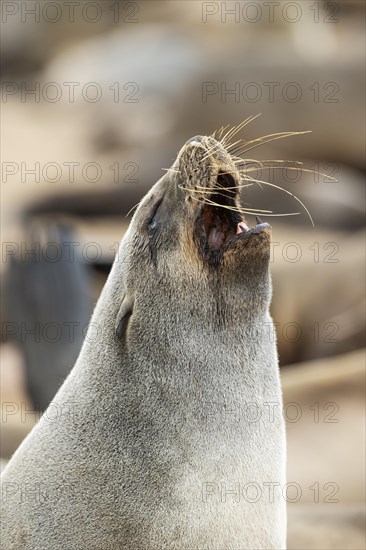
{"type": "Point", "coordinates": [191, 226]}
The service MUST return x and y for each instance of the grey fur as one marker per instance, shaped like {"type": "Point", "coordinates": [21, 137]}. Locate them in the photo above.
{"type": "Point", "coordinates": [151, 430]}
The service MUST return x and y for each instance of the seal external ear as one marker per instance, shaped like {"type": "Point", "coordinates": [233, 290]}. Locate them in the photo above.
{"type": "Point", "coordinates": [123, 315]}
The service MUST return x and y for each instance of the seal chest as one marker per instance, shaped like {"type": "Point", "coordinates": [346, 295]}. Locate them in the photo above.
{"type": "Point", "coordinates": [170, 433]}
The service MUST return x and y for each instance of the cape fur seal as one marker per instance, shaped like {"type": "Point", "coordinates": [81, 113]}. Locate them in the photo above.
{"type": "Point", "coordinates": [168, 433]}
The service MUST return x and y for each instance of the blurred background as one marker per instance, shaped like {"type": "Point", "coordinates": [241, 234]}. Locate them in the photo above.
{"type": "Point", "coordinates": [97, 98]}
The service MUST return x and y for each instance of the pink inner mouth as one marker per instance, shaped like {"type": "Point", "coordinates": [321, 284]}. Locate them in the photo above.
{"type": "Point", "coordinates": [219, 229]}
{"type": "Point", "coordinates": [222, 219]}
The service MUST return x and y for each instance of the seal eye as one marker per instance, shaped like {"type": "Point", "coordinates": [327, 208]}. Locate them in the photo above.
{"type": "Point", "coordinates": [152, 222]}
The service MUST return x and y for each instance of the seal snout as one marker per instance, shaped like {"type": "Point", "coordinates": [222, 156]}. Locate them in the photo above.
{"type": "Point", "coordinates": [193, 139]}
{"type": "Point", "coordinates": [212, 182]}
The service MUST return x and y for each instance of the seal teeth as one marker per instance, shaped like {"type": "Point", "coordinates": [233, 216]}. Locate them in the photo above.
{"type": "Point", "coordinates": [241, 227]}
{"type": "Point", "coordinates": [258, 219]}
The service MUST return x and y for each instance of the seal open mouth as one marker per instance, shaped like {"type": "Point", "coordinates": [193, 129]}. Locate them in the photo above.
{"type": "Point", "coordinates": [222, 223]}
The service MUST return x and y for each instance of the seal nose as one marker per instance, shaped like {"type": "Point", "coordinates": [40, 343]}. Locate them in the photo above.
{"type": "Point", "coordinates": [194, 138]}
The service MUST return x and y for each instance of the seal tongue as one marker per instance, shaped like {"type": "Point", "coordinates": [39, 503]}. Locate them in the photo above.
{"type": "Point", "coordinates": [216, 238]}
{"type": "Point", "coordinates": [241, 227]}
